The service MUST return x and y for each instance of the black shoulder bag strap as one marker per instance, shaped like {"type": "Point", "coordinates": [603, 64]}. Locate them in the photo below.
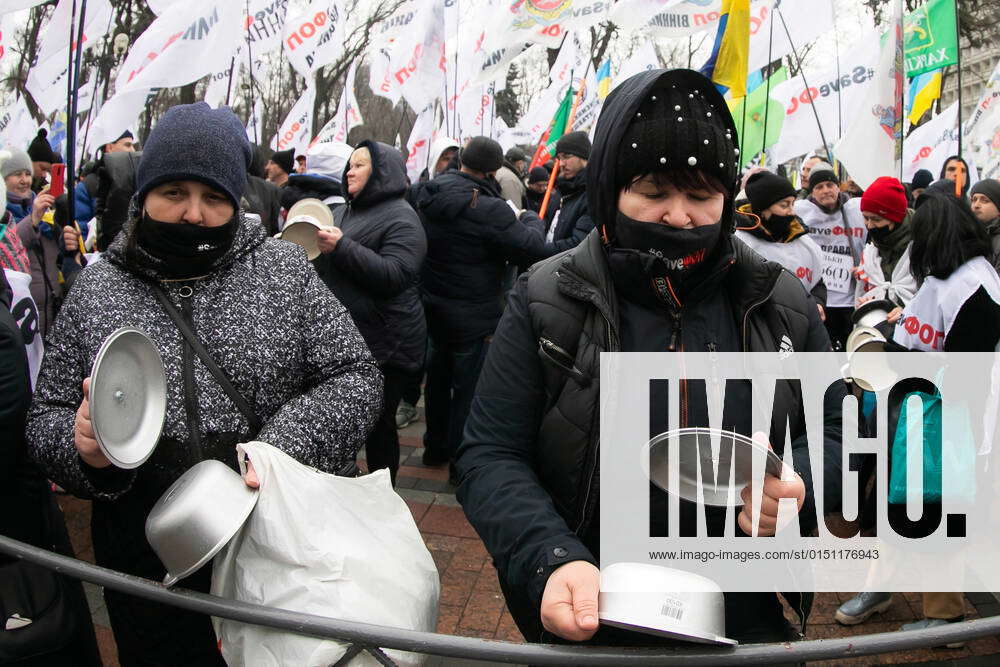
{"type": "Point", "coordinates": [220, 376]}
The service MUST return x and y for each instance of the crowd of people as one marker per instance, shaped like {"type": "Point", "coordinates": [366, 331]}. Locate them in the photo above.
{"type": "Point", "coordinates": [458, 286]}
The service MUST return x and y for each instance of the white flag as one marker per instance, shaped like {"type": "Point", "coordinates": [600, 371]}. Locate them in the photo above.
{"type": "Point", "coordinates": [805, 21]}
{"type": "Point", "coordinates": [543, 21]}
{"type": "Point", "coordinates": [118, 114]}
{"type": "Point", "coordinates": [868, 148]}
{"type": "Point", "coordinates": [837, 100]}
{"type": "Point", "coordinates": [184, 44]}
{"type": "Point", "coordinates": [265, 25]}
{"type": "Point", "coordinates": [16, 125]}
{"type": "Point", "coordinates": [347, 116]}
{"type": "Point", "coordinates": [7, 28]}
{"type": "Point", "coordinates": [315, 37]}
{"type": "Point", "coordinates": [981, 133]}
{"type": "Point", "coordinates": [416, 63]}
{"type": "Point", "coordinates": [160, 6]}
{"type": "Point", "coordinates": [224, 83]}
{"type": "Point", "coordinates": [419, 144]}
{"type": "Point", "coordinates": [296, 131]}
{"type": "Point", "coordinates": [928, 145]}
{"type": "Point", "coordinates": [668, 18]}
{"type": "Point", "coordinates": [15, 5]}
{"type": "Point", "coordinates": [642, 60]}
{"type": "Point", "coordinates": [47, 79]}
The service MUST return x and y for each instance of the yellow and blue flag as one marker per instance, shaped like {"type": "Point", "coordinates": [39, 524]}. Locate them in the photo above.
{"type": "Point", "coordinates": [727, 66]}
{"type": "Point", "coordinates": [924, 89]}
{"type": "Point", "coordinates": [604, 79]}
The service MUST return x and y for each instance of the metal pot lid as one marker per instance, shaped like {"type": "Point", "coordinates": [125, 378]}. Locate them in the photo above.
{"type": "Point", "coordinates": [128, 397]}
{"type": "Point", "coordinates": [883, 305]}
{"type": "Point", "coordinates": [696, 446]}
{"type": "Point", "coordinates": [311, 209]}
{"type": "Point", "coordinates": [303, 232]}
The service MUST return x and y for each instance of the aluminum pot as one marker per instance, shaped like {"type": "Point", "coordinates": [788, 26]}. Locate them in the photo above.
{"type": "Point", "coordinates": [871, 313]}
{"type": "Point", "coordinates": [662, 601]}
{"type": "Point", "coordinates": [197, 516]}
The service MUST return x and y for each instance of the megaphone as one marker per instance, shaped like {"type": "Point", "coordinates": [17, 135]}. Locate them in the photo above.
{"type": "Point", "coordinates": [128, 397]}
{"type": "Point", "coordinates": [304, 221]}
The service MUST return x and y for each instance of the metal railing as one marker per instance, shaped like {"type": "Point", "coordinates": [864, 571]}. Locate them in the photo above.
{"type": "Point", "coordinates": [372, 638]}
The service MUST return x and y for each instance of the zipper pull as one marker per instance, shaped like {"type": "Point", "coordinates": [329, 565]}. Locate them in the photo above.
{"type": "Point", "coordinates": [675, 334]}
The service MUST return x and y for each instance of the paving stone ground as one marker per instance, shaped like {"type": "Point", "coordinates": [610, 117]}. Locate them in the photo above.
{"type": "Point", "coordinates": [471, 603]}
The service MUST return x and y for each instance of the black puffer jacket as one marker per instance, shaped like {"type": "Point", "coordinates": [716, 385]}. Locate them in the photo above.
{"type": "Point", "coordinates": [375, 268]}
{"type": "Point", "coordinates": [471, 234]}
{"type": "Point", "coordinates": [528, 460]}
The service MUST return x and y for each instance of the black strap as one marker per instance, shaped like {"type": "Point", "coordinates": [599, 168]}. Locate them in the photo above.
{"type": "Point", "coordinates": [220, 376]}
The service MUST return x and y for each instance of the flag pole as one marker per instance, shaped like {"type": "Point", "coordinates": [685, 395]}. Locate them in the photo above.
{"type": "Point", "coordinates": [958, 54]}
{"type": "Point", "coordinates": [836, 46]}
{"type": "Point", "coordinates": [253, 82]}
{"type": "Point", "coordinates": [569, 128]}
{"type": "Point", "coordinates": [901, 84]}
{"type": "Point", "coordinates": [74, 76]}
{"type": "Point", "coordinates": [767, 84]}
{"type": "Point", "coordinates": [802, 73]}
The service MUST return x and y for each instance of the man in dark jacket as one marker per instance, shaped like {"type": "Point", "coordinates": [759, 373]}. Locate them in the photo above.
{"type": "Point", "coordinates": [471, 234]}
{"type": "Point", "coordinates": [572, 223]}
{"type": "Point", "coordinates": [261, 196]}
{"type": "Point", "coordinates": [280, 167]}
{"type": "Point", "coordinates": [371, 261]}
{"type": "Point", "coordinates": [986, 207]}
{"type": "Point", "coordinates": [528, 460]}
{"type": "Point", "coordinates": [538, 181]}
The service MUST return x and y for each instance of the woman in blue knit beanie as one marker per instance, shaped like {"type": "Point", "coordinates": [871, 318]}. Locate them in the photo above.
{"type": "Point", "coordinates": [309, 384]}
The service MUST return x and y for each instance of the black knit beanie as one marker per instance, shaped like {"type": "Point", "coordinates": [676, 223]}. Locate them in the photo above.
{"type": "Point", "coordinates": [921, 179]}
{"type": "Point", "coordinates": [285, 159]}
{"type": "Point", "coordinates": [482, 154]}
{"type": "Point", "coordinates": [538, 175]}
{"type": "Point", "coordinates": [989, 187]}
{"type": "Point", "coordinates": [822, 173]}
{"type": "Point", "coordinates": [574, 143]}
{"type": "Point", "coordinates": [39, 149]}
{"type": "Point", "coordinates": [198, 143]}
{"type": "Point", "coordinates": [683, 123]}
{"type": "Point", "coordinates": [765, 188]}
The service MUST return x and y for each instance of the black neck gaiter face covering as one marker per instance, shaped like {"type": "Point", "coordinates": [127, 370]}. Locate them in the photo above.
{"type": "Point", "coordinates": [778, 225]}
{"type": "Point", "coordinates": [186, 250]}
{"type": "Point", "coordinates": [679, 250]}
{"type": "Point", "coordinates": [659, 265]}
{"type": "Point", "coordinates": [879, 235]}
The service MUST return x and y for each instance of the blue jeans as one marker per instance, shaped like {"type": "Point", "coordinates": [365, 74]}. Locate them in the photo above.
{"type": "Point", "coordinates": [452, 373]}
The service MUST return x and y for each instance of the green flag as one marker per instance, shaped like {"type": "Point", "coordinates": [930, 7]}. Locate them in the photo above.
{"type": "Point", "coordinates": [751, 129]}
{"type": "Point", "coordinates": [547, 146]}
{"type": "Point", "coordinates": [929, 39]}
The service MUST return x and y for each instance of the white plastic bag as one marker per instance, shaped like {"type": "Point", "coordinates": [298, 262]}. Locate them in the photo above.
{"type": "Point", "coordinates": [345, 548]}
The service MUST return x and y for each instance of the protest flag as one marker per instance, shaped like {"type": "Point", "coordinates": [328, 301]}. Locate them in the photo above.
{"type": "Point", "coordinates": [547, 146]}
{"type": "Point", "coordinates": [727, 66]}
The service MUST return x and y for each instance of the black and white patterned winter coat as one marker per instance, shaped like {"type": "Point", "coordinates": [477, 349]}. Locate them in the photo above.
{"type": "Point", "coordinates": [285, 341]}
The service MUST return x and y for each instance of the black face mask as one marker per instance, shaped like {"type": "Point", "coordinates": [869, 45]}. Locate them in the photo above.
{"type": "Point", "coordinates": [680, 250]}
{"type": "Point", "coordinates": [880, 234]}
{"type": "Point", "coordinates": [187, 250]}
{"type": "Point", "coordinates": [778, 225]}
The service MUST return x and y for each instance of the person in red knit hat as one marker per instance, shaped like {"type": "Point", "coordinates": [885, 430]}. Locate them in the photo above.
{"type": "Point", "coordinates": [884, 272]}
